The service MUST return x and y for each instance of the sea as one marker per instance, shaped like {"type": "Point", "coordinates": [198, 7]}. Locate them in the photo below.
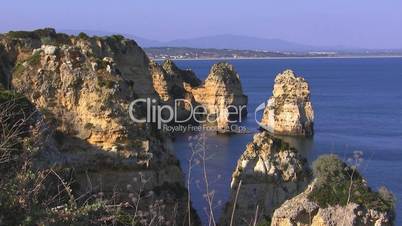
{"type": "Point", "coordinates": [357, 104]}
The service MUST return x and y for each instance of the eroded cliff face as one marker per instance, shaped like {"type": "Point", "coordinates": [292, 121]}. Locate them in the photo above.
{"type": "Point", "coordinates": [174, 87]}
{"type": "Point", "coordinates": [300, 210]}
{"type": "Point", "coordinates": [270, 172]}
{"type": "Point", "coordinates": [86, 83]}
{"type": "Point", "coordinates": [83, 86]}
{"type": "Point", "coordinates": [182, 76]}
{"type": "Point", "coordinates": [222, 95]}
{"type": "Point", "coordinates": [289, 111]}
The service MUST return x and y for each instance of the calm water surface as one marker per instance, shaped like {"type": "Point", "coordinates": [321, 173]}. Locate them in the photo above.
{"type": "Point", "coordinates": [358, 106]}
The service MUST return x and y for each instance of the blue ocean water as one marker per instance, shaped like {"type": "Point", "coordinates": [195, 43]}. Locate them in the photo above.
{"type": "Point", "coordinates": [358, 106]}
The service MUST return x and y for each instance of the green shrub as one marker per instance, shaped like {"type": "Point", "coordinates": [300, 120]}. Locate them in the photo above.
{"type": "Point", "coordinates": [21, 102]}
{"type": "Point", "coordinates": [113, 42]}
{"type": "Point", "coordinates": [46, 36]}
{"type": "Point", "coordinates": [387, 195]}
{"type": "Point", "coordinates": [18, 69]}
{"type": "Point", "coordinates": [266, 221]}
{"type": "Point", "coordinates": [34, 59]}
{"type": "Point", "coordinates": [117, 38]}
{"type": "Point", "coordinates": [36, 34]}
{"type": "Point", "coordinates": [333, 180]}
{"type": "Point", "coordinates": [101, 64]}
{"type": "Point", "coordinates": [83, 35]}
{"type": "Point", "coordinates": [48, 41]}
{"type": "Point", "coordinates": [329, 168]}
{"type": "Point", "coordinates": [21, 34]}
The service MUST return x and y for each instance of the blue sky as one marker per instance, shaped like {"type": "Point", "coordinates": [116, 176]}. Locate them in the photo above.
{"type": "Point", "coordinates": [352, 23]}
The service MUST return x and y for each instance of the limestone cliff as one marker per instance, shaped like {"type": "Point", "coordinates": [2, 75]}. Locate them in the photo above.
{"type": "Point", "coordinates": [222, 95]}
{"type": "Point", "coordinates": [86, 85]}
{"type": "Point", "coordinates": [174, 86]}
{"type": "Point", "coordinates": [300, 210]}
{"type": "Point", "coordinates": [83, 87]}
{"type": "Point", "coordinates": [184, 76]}
{"type": "Point", "coordinates": [289, 111]}
{"type": "Point", "coordinates": [270, 172]}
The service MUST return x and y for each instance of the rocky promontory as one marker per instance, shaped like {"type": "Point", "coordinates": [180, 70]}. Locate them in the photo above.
{"type": "Point", "coordinates": [267, 174]}
{"type": "Point", "coordinates": [83, 87]}
{"type": "Point", "coordinates": [222, 95]}
{"type": "Point", "coordinates": [184, 76]}
{"type": "Point", "coordinates": [289, 110]}
{"type": "Point", "coordinates": [337, 196]}
{"type": "Point", "coordinates": [174, 87]}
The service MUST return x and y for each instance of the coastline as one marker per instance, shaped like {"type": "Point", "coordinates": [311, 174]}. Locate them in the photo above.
{"type": "Point", "coordinates": [279, 58]}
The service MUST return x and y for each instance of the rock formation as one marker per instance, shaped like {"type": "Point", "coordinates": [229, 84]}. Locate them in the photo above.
{"type": "Point", "coordinates": [87, 86]}
{"type": "Point", "coordinates": [83, 86]}
{"type": "Point", "coordinates": [184, 76]}
{"type": "Point", "coordinates": [174, 86]}
{"type": "Point", "coordinates": [339, 195]}
{"type": "Point", "coordinates": [270, 172]}
{"type": "Point", "coordinates": [222, 95]}
{"type": "Point", "coordinates": [300, 210]}
{"type": "Point", "coordinates": [289, 111]}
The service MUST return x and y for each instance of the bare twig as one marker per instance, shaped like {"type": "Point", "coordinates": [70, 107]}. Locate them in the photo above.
{"type": "Point", "coordinates": [235, 203]}
{"type": "Point", "coordinates": [255, 216]}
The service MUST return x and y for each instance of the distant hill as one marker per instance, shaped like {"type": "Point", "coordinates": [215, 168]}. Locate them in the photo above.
{"type": "Point", "coordinates": [201, 53]}
{"type": "Point", "coordinates": [240, 42]}
{"type": "Point", "coordinates": [216, 42]}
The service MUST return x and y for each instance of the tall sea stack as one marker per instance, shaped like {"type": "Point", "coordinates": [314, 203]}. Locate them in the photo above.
{"type": "Point", "coordinates": [289, 110]}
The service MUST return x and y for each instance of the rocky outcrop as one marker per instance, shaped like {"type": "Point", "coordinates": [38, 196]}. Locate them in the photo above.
{"type": "Point", "coordinates": [87, 86]}
{"type": "Point", "coordinates": [222, 95]}
{"type": "Point", "coordinates": [289, 111]}
{"type": "Point", "coordinates": [267, 174]}
{"type": "Point", "coordinates": [300, 210]}
{"type": "Point", "coordinates": [174, 87]}
{"type": "Point", "coordinates": [83, 86]}
{"type": "Point", "coordinates": [162, 82]}
{"type": "Point", "coordinates": [339, 195]}
{"type": "Point", "coordinates": [183, 76]}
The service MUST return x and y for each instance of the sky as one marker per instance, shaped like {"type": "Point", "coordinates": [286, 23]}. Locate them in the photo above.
{"type": "Point", "coordinates": [350, 23]}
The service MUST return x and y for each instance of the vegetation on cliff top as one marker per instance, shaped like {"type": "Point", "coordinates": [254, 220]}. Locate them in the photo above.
{"type": "Point", "coordinates": [340, 184]}
{"type": "Point", "coordinates": [33, 196]}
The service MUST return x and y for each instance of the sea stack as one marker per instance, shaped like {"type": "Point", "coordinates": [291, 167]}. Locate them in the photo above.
{"type": "Point", "coordinates": [172, 83]}
{"type": "Point", "coordinates": [289, 110]}
{"type": "Point", "coordinates": [267, 174]}
{"type": "Point", "coordinates": [222, 95]}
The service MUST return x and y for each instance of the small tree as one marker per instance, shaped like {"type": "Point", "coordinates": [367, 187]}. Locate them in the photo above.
{"type": "Point", "coordinates": [387, 195]}
{"type": "Point", "coordinates": [329, 168]}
